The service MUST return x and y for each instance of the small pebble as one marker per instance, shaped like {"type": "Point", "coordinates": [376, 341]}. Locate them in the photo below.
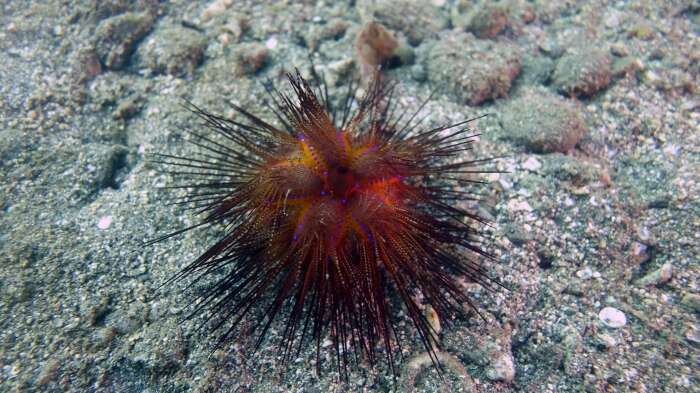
{"type": "Point", "coordinates": [693, 334]}
{"type": "Point", "coordinates": [502, 368]}
{"type": "Point", "coordinates": [271, 43]}
{"type": "Point", "coordinates": [585, 273]}
{"type": "Point", "coordinates": [612, 317]}
{"type": "Point", "coordinates": [606, 341]}
{"type": "Point", "coordinates": [660, 276]}
{"type": "Point", "coordinates": [532, 164]}
{"type": "Point", "coordinates": [104, 222]}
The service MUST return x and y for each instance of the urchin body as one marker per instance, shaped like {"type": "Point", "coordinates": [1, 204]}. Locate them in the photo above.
{"type": "Point", "coordinates": [325, 216]}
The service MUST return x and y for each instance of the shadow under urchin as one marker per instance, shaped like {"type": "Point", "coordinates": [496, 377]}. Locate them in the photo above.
{"type": "Point", "coordinates": [330, 208]}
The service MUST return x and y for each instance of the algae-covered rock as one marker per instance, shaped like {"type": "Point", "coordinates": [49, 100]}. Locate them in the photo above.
{"type": "Point", "coordinates": [582, 73]}
{"type": "Point", "coordinates": [476, 70]}
{"type": "Point", "coordinates": [543, 122]}
{"type": "Point", "coordinates": [116, 37]}
{"type": "Point", "coordinates": [172, 50]}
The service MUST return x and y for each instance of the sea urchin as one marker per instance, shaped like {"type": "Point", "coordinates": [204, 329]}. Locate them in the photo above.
{"type": "Point", "coordinates": [330, 212]}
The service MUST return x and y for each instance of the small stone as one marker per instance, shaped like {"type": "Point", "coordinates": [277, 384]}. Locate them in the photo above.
{"type": "Point", "coordinates": [172, 50]}
{"type": "Point", "coordinates": [271, 43]}
{"type": "Point", "coordinates": [612, 317]}
{"type": "Point", "coordinates": [502, 368]}
{"type": "Point", "coordinates": [515, 205]}
{"type": "Point", "coordinates": [628, 65]}
{"type": "Point", "coordinates": [692, 301]}
{"type": "Point", "coordinates": [543, 122]}
{"type": "Point", "coordinates": [129, 320]}
{"type": "Point", "coordinates": [659, 276]}
{"type": "Point", "coordinates": [582, 73]}
{"type": "Point", "coordinates": [606, 341]}
{"type": "Point", "coordinates": [215, 8]}
{"type": "Point", "coordinates": [584, 273]}
{"type": "Point", "coordinates": [128, 107]}
{"type": "Point", "coordinates": [532, 164]}
{"type": "Point", "coordinates": [236, 27]}
{"type": "Point", "coordinates": [116, 37]}
{"type": "Point", "coordinates": [338, 70]}
{"type": "Point", "coordinates": [48, 372]}
{"type": "Point", "coordinates": [613, 18]}
{"type": "Point", "coordinates": [619, 49]}
{"type": "Point", "coordinates": [104, 222]}
{"type": "Point", "coordinates": [488, 21]}
{"type": "Point", "coordinates": [374, 46]}
{"type": "Point", "coordinates": [693, 334]}
{"type": "Point", "coordinates": [642, 31]}
{"type": "Point", "coordinates": [250, 58]}
{"type": "Point", "coordinates": [536, 70]}
{"type": "Point", "coordinates": [87, 65]}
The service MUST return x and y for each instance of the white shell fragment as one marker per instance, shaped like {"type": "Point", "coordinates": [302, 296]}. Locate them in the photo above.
{"type": "Point", "coordinates": [612, 317]}
{"type": "Point", "coordinates": [104, 222]}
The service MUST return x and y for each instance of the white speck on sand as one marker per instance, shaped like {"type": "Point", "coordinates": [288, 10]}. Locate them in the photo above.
{"type": "Point", "coordinates": [104, 222]}
{"type": "Point", "coordinates": [271, 43]}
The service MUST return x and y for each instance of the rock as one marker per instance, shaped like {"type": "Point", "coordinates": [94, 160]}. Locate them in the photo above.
{"type": "Point", "coordinates": [569, 169]}
{"type": "Point", "coordinates": [485, 20]}
{"type": "Point", "coordinates": [536, 70]}
{"type": "Point", "coordinates": [116, 37]}
{"type": "Point", "coordinates": [335, 29]}
{"type": "Point", "coordinates": [374, 46]}
{"type": "Point", "coordinates": [692, 301]}
{"type": "Point", "coordinates": [86, 65]}
{"type": "Point", "coordinates": [692, 334]}
{"type": "Point", "coordinates": [48, 372]}
{"type": "Point", "coordinates": [642, 30]}
{"type": "Point", "coordinates": [628, 65]}
{"type": "Point", "coordinates": [659, 276]}
{"type": "Point", "coordinates": [582, 73]}
{"type": "Point", "coordinates": [97, 310]}
{"type": "Point", "coordinates": [338, 70]}
{"type": "Point", "coordinates": [250, 58]}
{"type": "Point", "coordinates": [501, 368]}
{"type": "Point", "coordinates": [612, 317]}
{"type": "Point", "coordinates": [172, 50]}
{"type": "Point", "coordinates": [585, 273]}
{"type": "Point", "coordinates": [129, 107]}
{"type": "Point", "coordinates": [129, 320]}
{"type": "Point", "coordinates": [605, 341]}
{"type": "Point", "coordinates": [488, 20]}
{"type": "Point", "coordinates": [543, 122]}
{"type": "Point", "coordinates": [215, 8]}
{"type": "Point", "coordinates": [476, 70]}
{"type": "Point", "coordinates": [417, 19]}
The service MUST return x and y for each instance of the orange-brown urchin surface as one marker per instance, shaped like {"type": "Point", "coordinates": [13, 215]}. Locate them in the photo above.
{"type": "Point", "coordinates": [327, 211]}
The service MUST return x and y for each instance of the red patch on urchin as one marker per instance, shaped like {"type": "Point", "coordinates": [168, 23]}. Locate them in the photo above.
{"type": "Point", "coordinates": [329, 214]}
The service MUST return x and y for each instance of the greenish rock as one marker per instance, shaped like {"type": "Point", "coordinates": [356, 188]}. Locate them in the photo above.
{"type": "Point", "coordinates": [628, 65]}
{"type": "Point", "coordinates": [691, 301]}
{"type": "Point", "coordinates": [172, 50]}
{"type": "Point", "coordinates": [569, 169]}
{"type": "Point", "coordinates": [536, 70]}
{"type": "Point", "coordinates": [249, 59]}
{"type": "Point", "coordinates": [475, 70]}
{"type": "Point", "coordinates": [488, 20]}
{"type": "Point", "coordinates": [659, 276]}
{"type": "Point", "coordinates": [116, 37]}
{"type": "Point", "coordinates": [582, 73]}
{"type": "Point", "coordinates": [543, 122]}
